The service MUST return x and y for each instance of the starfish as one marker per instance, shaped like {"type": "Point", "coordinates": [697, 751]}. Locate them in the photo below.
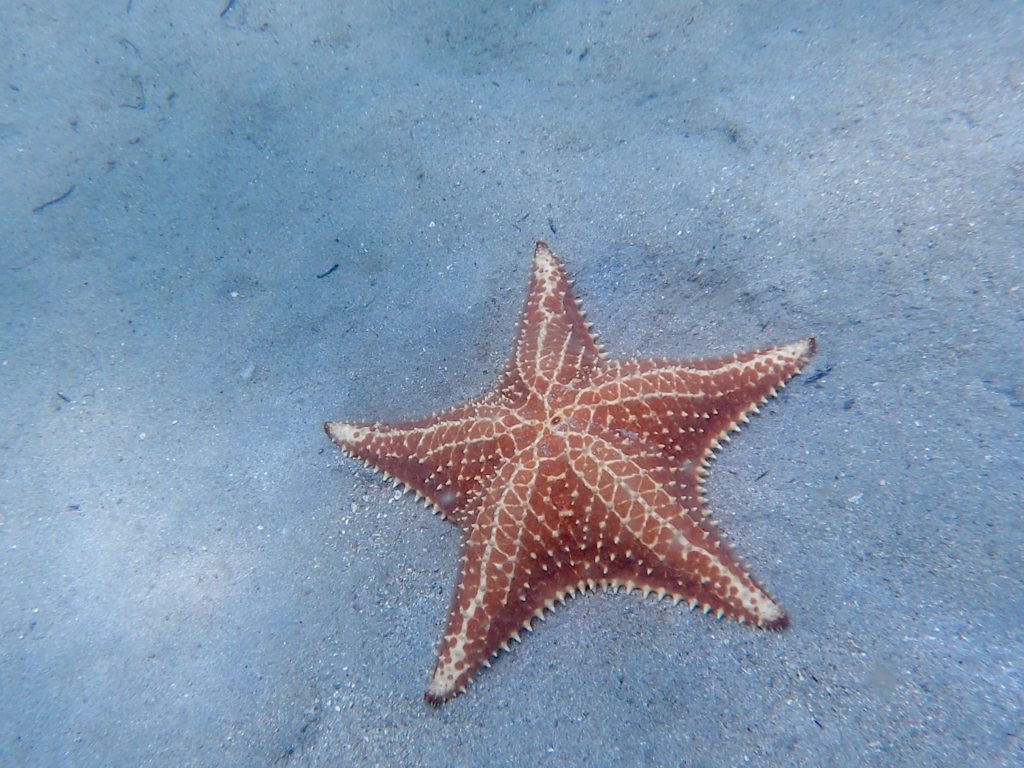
{"type": "Point", "coordinates": [578, 472]}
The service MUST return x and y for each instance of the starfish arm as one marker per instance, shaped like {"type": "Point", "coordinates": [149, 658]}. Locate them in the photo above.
{"type": "Point", "coordinates": [686, 408]}
{"type": "Point", "coordinates": [446, 458]}
{"type": "Point", "coordinates": [657, 537]}
{"type": "Point", "coordinates": [489, 602]}
{"type": "Point", "coordinates": [555, 346]}
{"type": "Point", "coordinates": [534, 542]}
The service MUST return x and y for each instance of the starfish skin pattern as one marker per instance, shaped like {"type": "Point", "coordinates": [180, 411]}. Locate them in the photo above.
{"type": "Point", "coordinates": [578, 472]}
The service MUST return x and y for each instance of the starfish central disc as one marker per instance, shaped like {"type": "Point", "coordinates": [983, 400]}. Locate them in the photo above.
{"type": "Point", "coordinates": [578, 472]}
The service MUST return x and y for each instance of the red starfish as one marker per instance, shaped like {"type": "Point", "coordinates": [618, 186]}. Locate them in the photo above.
{"type": "Point", "coordinates": [578, 472]}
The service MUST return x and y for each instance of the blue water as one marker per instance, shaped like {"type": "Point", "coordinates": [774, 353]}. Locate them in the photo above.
{"type": "Point", "coordinates": [222, 223]}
